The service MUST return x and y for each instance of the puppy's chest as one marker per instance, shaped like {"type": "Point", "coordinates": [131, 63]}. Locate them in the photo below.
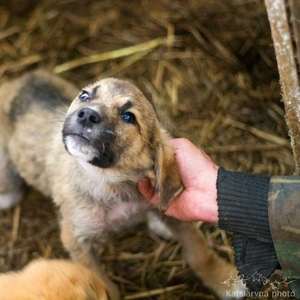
{"type": "Point", "coordinates": [125, 214]}
{"type": "Point", "coordinates": [112, 211]}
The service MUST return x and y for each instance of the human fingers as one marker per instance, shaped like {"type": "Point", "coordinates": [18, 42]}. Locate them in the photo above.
{"type": "Point", "coordinates": [147, 190]}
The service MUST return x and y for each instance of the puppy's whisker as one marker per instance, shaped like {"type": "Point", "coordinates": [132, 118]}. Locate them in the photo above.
{"type": "Point", "coordinates": [53, 122]}
{"type": "Point", "coordinates": [55, 109]}
{"type": "Point", "coordinates": [54, 133]}
{"type": "Point", "coordinates": [57, 120]}
{"type": "Point", "coordinates": [63, 113]}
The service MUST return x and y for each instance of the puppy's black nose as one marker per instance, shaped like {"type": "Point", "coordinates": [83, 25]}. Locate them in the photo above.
{"type": "Point", "coordinates": [88, 117]}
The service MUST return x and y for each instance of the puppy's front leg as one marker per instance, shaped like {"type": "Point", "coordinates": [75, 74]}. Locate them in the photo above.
{"type": "Point", "coordinates": [207, 265]}
{"type": "Point", "coordinates": [81, 251]}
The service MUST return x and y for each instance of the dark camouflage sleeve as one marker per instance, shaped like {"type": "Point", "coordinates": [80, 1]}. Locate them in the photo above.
{"type": "Point", "coordinates": [284, 219]}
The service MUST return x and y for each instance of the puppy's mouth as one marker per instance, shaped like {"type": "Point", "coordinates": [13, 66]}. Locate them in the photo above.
{"type": "Point", "coordinates": [94, 151]}
{"type": "Point", "coordinates": [80, 138]}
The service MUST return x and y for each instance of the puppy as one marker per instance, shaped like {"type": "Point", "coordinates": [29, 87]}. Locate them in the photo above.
{"type": "Point", "coordinates": [89, 158]}
{"type": "Point", "coordinates": [52, 280]}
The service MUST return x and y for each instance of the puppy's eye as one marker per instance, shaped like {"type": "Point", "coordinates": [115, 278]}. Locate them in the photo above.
{"type": "Point", "coordinates": [84, 96]}
{"type": "Point", "coordinates": [129, 117]}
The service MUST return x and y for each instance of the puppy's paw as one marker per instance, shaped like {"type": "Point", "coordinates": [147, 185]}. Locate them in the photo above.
{"type": "Point", "coordinates": [226, 282]}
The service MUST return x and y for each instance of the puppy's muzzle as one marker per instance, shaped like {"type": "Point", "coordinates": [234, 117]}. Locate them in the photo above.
{"type": "Point", "coordinates": [87, 135]}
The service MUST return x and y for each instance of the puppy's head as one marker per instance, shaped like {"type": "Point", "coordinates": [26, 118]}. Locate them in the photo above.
{"type": "Point", "coordinates": [111, 125]}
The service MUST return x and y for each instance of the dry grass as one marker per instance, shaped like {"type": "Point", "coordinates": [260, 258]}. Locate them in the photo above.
{"type": "Point", "coordinates": [208, 65]}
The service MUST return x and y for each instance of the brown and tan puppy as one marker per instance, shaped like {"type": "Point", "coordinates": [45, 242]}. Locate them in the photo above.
{"type": "Point", "coordinates": [52, 280]}
{"type": "Point", "coordinates": [89, 158]}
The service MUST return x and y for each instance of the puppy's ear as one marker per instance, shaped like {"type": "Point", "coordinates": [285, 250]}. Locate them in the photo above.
{"type": "Point", "coordinates": [167, 178]}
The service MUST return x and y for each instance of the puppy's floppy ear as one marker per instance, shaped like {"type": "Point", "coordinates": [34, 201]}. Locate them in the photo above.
{"type": "Point", "coordinates": [167, 178]}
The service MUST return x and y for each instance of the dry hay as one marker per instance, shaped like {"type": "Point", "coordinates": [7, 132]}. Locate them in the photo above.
{"type": "Point", "coordinates": [208, 65]}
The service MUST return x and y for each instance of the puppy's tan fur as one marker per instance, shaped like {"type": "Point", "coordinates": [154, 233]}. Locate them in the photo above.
{"type": "Point", "coordinates": [90, 160]}
{"type": "Point", "coordinates": [52, 280]}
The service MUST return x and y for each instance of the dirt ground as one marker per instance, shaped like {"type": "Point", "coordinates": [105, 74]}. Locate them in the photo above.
{"type": "Point", "coordinates": [209, 67]}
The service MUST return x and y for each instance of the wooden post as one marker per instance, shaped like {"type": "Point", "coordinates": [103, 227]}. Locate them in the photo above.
{"type": "Point", "coordinates": [286, 37]}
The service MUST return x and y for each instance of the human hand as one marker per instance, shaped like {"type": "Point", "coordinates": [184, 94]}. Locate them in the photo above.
{"type": "Point", "coordinates": [198, 200]}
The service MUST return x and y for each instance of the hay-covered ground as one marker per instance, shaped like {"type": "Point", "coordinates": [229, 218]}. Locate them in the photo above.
{"type": "Point", "coordinates": [210, 68]}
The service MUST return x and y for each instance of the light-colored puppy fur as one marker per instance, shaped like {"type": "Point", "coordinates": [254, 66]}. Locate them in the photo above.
{"type": "Point", "coordinates": [89, 158]}
{"type": "Point", "coordinates": [52, 280]}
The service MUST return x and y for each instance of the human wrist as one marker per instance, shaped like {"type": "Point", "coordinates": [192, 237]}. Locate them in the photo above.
{"type": "Point", "coordinates": [209, 201]}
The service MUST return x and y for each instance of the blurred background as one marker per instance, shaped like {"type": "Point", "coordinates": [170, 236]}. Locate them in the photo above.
{"type": "Point", "coordinates": [210, 68]}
